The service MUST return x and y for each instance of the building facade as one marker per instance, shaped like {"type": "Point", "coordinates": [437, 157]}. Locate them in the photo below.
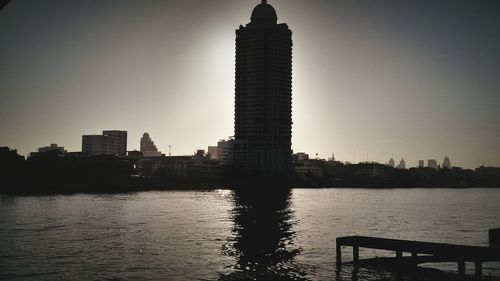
{"type": "Point", "coordinates": [225, 151]}
{"type": "Point", "coordinates": [446, 163]}
{"type": "Point", "coordinates": [263, 95]}
{"type": "Point", "coordinates": [212, 153]}
{"type": "Point", "coordinates": [432, 163]}
{"type": "Point", "coordinates": [111, 142]}
{"type": "Point", "coordinates": [148, 147]}
{"type": "Point", "coordinates": [117, 142]}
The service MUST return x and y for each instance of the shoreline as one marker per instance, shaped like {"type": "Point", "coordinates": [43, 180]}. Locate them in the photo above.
{"type": "Point", "coordinates": [71, 189]}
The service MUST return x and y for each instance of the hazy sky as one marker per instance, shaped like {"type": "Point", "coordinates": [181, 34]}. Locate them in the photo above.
{"type": "Point", "coordinates": [371, 79]}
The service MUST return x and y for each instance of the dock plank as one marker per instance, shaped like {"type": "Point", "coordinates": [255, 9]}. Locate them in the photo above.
{"type": "Point", "coordinates": [441, 251]}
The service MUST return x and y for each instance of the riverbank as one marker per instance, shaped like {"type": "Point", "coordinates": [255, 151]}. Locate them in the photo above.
{"type": "Point", "coordinates": [47, 189]}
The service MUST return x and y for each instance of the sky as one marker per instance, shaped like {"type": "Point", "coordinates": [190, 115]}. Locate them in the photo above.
{"type": "Point", "coordinates": [371, 79]}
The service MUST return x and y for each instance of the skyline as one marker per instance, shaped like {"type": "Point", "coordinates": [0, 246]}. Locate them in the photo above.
{"type": "Point", "coordinates": [126, 67]}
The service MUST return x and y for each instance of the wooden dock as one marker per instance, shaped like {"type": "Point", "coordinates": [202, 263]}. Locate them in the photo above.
{"type": "Point", "coordinates": [421, 252]}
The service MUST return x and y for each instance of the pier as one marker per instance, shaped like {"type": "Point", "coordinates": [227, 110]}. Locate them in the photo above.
{"type": "Point", "coordinates": [421, 252]}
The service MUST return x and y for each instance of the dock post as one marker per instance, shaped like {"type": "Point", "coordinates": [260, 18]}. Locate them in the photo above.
{"type": "Point", "coordinates": [399, 254]}
{"type": "Point", "coordinates": [461, 270]}
{"type": "Point", "coordinates": [479, 270]}
{"type": "Point", "coordinates": [355, 254]}
{"type": "Point", "coordinates": [494, 235]}
{"type": "Point", "coordinates": [414, 256]}
{"type": "Point", "coordinates": [339, 254]}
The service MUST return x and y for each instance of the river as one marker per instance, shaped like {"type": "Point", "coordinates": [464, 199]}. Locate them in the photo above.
{"type": "Point", "coordinates": [229, 235]}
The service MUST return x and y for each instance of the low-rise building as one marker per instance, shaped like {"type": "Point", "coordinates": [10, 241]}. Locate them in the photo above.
{"type": "Point", "coordinates": [52, 147]}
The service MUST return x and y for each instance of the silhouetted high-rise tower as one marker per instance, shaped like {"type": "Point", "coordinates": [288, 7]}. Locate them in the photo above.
{"type": "Point", "coordinates": [263, 94]}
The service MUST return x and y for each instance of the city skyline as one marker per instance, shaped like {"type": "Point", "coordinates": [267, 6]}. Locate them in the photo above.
{"type": "Point", "coordinates": [379, 87]}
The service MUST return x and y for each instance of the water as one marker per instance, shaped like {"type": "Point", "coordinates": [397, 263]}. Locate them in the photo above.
{"type": "Point", "coordinates": [227, 235]}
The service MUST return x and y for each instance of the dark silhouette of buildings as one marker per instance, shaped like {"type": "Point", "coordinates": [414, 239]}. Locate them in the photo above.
{"type": "Point", "coordinates": [52, 146]}
{"type": "Point", "coordinates": [263, 95]}
{"type": "Point", "coordinates": [54, 171]}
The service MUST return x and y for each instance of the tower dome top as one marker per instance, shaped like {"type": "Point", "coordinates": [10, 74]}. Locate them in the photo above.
{"type": "Point", "coordinates": [264, 14]}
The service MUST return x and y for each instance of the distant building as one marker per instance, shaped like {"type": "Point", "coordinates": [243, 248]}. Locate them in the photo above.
{"type": "Point", "coordinates": [225, 151]}
{"type": "Point", "coordinates": [488, 171]}
{"type": "Point", "coordinates": [200, 153]}
{"type": "Point", "coordinates": [111, 142]}
{"type": "Point", "coordinates": [446, 163]}
{"type": "Point", "coordinates": [263, 95]}
{"type": "Point", "coordinates": [135, 154]}
{"type": "Point", "coordinates": [432, 163]}
{"type": "Point", "coordinates": [300, 156]}
{"type": "Point", "coordinates": [52, 147]}
{"type": "Point", "coordinates": [424, 177]}
{"type": "Point", "coordinates": [213, 153]}
{"type": "Point", "coordinates": [181, 168]}
{"type": "Point", "coordinates": [421, 163]}
{"type": "Point", "coordinates": [75, 154]}
{"type": "Point", "coordinates": [95, 144]}
{"type": "Point", "coordinates": [176, 166]}
{"type": "Point", "coordinates": [117, 142]}
{"type": "Point", "coordinates": [148, 147]}
{"type": "Point", "coordinates": [402, 164]}
{"type": "Point", "coordinates": [391, 163]}
{"type": "Point", "coordinates": [373, 170]}
{"type": "Point", "coordinates": [308, 171]}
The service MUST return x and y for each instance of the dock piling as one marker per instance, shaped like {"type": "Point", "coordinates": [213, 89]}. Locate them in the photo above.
{"type": "Point", "coordinates": [414, 256]}
{"type": "Point", "coordinates": [399, 254]}
{"type": "Point", "coordinates": [339, 254]}
{"type": "Point", "coordinates": [355, 254]}
{"type": "Point", "coordinates": [461, 269]}
{"type": "Point", "coordinates": [494, 235]}
{"type": "Point", "coordinates": [479, 270]}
